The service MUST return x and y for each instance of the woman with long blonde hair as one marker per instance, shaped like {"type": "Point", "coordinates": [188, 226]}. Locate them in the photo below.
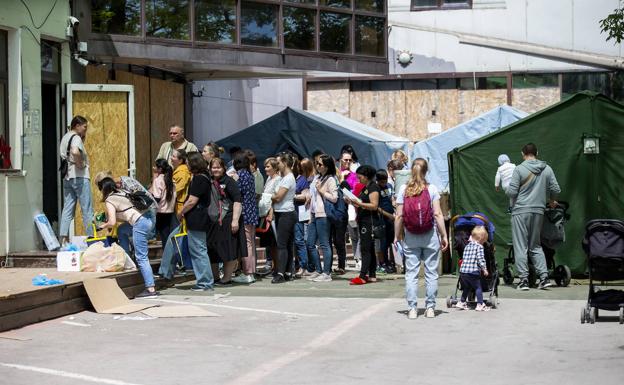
{"type": "Point", "coordinates": [419, 225]}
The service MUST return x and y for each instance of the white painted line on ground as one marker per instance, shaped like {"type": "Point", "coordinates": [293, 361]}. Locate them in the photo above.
{"type": "Point", "coordinates": [234, 307]}
{"type": "Point", "coordinates": [258, 374]}
{"type": "Point", "coordinates": [75, 323]}
{"type": "Point", "coordinates": [62, 373]}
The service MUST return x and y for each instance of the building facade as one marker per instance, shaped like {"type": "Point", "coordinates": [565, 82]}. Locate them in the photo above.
{"type": "Point", "coordinates": [34, 67]}
{"type": "Point", "coordinates": [451, 60]}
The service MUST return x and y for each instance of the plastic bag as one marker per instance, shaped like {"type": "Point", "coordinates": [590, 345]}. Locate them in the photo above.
{"type": "Point", "coordinates": [43, 280]}
{"type": "Point", "coordinates": [98, 258]}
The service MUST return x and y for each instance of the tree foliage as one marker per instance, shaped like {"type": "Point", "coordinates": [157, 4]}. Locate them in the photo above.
{"type": "Point", "coordinates": [613, 25]}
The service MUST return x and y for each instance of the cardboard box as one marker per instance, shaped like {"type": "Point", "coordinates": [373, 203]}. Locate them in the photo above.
{"type": "Point", "coordinates": [68, 260]}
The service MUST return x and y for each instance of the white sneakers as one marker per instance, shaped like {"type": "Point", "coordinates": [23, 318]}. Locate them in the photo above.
{"type": "Point", "coordinates": [461, 305]}
{"type": "Point", "coordinates": [314, 275]}
{"type": "Point", "coordinates": [430, 313]}
{"type": "Point", "coordinates": [243, 278]}
{"type": "Point", "coordinates": [323, 278]}
{"type": "Point", "coordinates": [412, 314]}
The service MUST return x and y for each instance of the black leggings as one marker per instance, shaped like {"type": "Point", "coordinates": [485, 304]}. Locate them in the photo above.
{"type": "Point", "coordinates": [338, 234]}
{"type": "Point", "coordinates": [165, 223]}
{"type": "Point", "coordinates": [367, 249]}
{"type": "Point", "coordinates": [285, 224]}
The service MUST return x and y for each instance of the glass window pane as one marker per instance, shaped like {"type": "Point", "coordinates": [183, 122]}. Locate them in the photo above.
{"type": "Point", "coordinates": [299, 28]}
{"type": "Point", "coordinates": [369, 36]}
{"type": "Point", "coordinates": [301, 1]}
{"type": "Point", "coordinates": [3, 53]}
{"type": "Point", "coordinates": [215, 20]}
{"type": "Point", "coordinates": [447, 84]}
{"type": "Point", "coordinates": [335, 33]}
{"type": "Point", "coordinates": [535, 80]}
{"type": "Point", "coordinates": [452, 3]}
{"type": "Point", "coordinates": [572, 83]}
{"type": "Point", "coordinates": [424, 3]}
{"type": "Point", "coordinates": [370, 5]}
{"type": "Point", "coordinates": [496, 83]}
{"type": "Point", "coordinates": [259, 24]}
{"type": "Point", "coordinates": [168, 19]}
{"type": "Point", "coordinates": [336, 3]}
{"type": "Point", "coordinates": [420, 84]}
{"type": "Point", "coordinates": [49, 56]}
{"type": "Point", "coordinates": [122, 17]}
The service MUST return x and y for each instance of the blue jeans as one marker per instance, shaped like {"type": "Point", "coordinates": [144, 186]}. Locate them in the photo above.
{"type": "Point", "coordinates": [318, 230]}
{"type": "Point", "coordinates": [199, 257]}
{"type": "Point", "coordinates": [141, 231]}
{"type": "Point", "coordinates": [301, 228]}
{"type": "Point", "coordinates": [421, 248]}
{"type": "Point", "coordinates": [76, 190]}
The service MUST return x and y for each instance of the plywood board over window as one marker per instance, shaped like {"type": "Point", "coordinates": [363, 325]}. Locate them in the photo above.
{"type": "Point", "coordinates": [141, 122]}
{"type": "Point", "coordinates": [106, 143]}
{"type": "Point", "coordinates": [167, 109]}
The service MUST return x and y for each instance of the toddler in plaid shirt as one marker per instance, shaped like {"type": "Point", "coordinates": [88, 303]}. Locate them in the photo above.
{"type": "Point", "coordinates": [473, 263]}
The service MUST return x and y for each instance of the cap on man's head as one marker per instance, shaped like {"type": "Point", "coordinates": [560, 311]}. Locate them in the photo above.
{"type": "Point", "coordinates": [101, 175]}
{"type": "Point", "coordinates": [502, 159]}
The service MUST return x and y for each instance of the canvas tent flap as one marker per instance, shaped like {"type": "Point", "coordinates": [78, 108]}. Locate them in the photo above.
{"type": "Point", "coordinates": [303, 132]}
{"type": "Point", "coordinates": [436, 148]}
{"type": "Point", "coordinates": [590, 183]}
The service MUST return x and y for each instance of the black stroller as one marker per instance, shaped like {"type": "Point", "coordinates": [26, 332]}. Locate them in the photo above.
{"type": "Point", "coordinates": [553, 234]}
{"type": "Point", "coordinates": [604, 245]}
{"type": "Point", "coordinates": [462, 226]}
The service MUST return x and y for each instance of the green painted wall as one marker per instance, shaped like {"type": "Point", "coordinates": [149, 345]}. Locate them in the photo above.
{"type": "Point", "coordinates": [21, 194]}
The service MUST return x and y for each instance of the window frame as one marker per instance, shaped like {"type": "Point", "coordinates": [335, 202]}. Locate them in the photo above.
{"type": "Point", "coordinates": [4, 80]}
{"type": "Point", "coordinates": [442, 6]}
{"type": "Point", "coordinates": [194, 41]}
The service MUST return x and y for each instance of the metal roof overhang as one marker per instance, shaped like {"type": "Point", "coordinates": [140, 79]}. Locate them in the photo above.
{"type": "Point", "coordinates": [205, 63]}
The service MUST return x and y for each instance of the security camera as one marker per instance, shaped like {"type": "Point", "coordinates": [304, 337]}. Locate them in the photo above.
{"type": "Point", "coordinates": [73, 21]}
{"type": "Point", "coordinates": [82, 61]}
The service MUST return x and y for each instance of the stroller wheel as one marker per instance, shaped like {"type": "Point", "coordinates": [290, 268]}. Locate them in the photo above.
{"type": "Point", "coordinates": [494, 302]}
{"type": "Point", "coordinates": [449, 302]}
{"type": "Point", "coordinates": [583, 315]}
{"type": "Point", "coordinates": [621, 315]}
{"type": "Point", "coordinates": [593, 314]}
{"type": "Point", "coordinates": [562, 275]}
{"type": "Point", "coordinates": [508, 275]}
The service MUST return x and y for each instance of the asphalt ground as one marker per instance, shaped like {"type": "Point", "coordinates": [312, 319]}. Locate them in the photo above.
{"type": "Point", "coordinates": [324, 333]}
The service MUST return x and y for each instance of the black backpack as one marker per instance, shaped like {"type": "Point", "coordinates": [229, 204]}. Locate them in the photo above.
{"type": "Point", "coordinates": [64, 162]}
{"type": "Point", "coordinates": [140, 200]}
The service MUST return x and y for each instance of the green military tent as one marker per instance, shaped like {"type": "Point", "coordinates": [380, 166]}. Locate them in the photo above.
{"type": "Point", "coordinates": [591, 183]}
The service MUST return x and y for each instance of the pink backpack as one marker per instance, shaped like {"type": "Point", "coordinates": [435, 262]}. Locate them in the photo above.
{"type": "Point", "coordinates": [417, 213]}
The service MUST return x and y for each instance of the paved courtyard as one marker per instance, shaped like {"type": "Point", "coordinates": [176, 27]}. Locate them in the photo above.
{"type": "Point", "coordinates": [313, 333]}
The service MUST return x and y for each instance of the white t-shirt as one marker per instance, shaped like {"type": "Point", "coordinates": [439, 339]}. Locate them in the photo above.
{"type": "Point", "coordinates": [433, 193]}
{"type": "Point", "coordinates": [503, 175]}
{"type": "Point", "coordinates": [287, 204]}
{"type": "Point", "coordinates": [72, 170]}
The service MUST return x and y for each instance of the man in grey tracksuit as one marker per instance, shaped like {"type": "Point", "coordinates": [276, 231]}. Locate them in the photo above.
{"type": "Point", "coordinates": [533, 185]}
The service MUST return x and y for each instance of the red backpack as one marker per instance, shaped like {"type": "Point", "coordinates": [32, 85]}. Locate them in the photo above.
{"type": "Point", "coordinates": [417, 213]}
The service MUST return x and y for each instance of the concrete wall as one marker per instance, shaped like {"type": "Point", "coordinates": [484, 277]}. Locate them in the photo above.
{"type": "Point", "coordinates": [228, 106]}
{"type": "Point", "coordinates": [566, 24]}
{"type": "Point", "coordinates": [21, 192]}
{"type": "Point", "coordinates": [408, 112]}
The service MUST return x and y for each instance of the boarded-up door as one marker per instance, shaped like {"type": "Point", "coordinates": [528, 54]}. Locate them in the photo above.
{"type": "Point", "coordinates": [110, 137]}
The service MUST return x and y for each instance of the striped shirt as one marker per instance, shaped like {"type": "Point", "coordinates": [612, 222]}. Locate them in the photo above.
{"type": "Point", "coordinates": [473, 260]}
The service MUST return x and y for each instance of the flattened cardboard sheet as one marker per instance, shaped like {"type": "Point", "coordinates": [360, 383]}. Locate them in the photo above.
{"type": "Point", "coordinates": [107, 297]}
{"type": "Point", "coordinates": [178, 312]}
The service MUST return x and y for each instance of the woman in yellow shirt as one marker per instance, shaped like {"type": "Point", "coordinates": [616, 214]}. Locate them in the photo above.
{"type": "Point", "coordinates": [181, 177]}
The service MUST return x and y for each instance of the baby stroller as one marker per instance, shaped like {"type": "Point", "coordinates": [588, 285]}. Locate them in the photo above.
{"type": "Point", "coordinates": [604, 245]}
{"type": "Point", "coordinates": [552, 236]}
{"type": "Point", "coordinates": [462, 226]}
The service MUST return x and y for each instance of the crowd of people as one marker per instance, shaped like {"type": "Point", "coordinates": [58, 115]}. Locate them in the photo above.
{"type": "Point", "coordinates": [304, 212]}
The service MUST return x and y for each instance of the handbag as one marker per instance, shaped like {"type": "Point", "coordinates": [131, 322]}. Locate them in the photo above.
{"type": "Point", "coordinates": [263, 226]}
{"type": "Point", "coordinates": [379, 230]}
